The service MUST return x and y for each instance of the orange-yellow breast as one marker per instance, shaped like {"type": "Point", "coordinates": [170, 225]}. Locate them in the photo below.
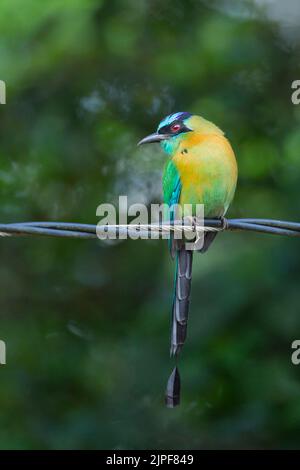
{"type": "Point", "coordinates": [208, 172]}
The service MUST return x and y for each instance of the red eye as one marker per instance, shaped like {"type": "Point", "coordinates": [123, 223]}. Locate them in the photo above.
{"type": "Point", "coordinates": [175, 127]}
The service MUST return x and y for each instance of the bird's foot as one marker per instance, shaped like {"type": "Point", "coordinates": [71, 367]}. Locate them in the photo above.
{"type": "Point", "coordinates": [225, 223]}
{"type": "Point", "coordinates": [189, 219]}
{"type": "Point", "coordinates": [194, 222]}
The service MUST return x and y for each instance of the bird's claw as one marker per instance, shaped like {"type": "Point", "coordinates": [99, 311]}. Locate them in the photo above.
{"type": "Point", "coordinates": [225, 223]}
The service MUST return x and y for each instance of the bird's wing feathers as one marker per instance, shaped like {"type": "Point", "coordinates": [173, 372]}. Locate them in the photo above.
{"type": "Point", "coordinates": [172, 190]}
{"type": "Point", "coordinates": [171, 183]}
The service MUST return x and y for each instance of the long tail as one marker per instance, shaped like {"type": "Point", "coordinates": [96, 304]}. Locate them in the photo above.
{"type": "Point", "coordinates": [182, 292]}
{"type": "Point", "coordinates": [180, 310]}
{"type": "Point", "coordinates": [181, 300]}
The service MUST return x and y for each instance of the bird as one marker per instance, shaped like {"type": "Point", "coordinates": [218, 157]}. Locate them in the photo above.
{"type": "Point", "coordinates": [201, 168]}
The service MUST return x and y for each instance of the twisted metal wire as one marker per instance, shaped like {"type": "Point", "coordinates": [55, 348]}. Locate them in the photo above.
{"type": "Point", "coordinates": [88, 231]}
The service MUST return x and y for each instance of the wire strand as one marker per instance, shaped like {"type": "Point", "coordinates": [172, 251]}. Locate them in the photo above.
{"type": "Point", "coordinates": [88, 231]}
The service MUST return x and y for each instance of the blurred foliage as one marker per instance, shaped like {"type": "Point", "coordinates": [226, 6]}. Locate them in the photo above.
{"type": "Point", "coordinates": [87, 323]}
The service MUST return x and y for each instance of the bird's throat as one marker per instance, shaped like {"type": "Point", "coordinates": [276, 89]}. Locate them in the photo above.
{"type": "Point", "coordinates": [170, 146]}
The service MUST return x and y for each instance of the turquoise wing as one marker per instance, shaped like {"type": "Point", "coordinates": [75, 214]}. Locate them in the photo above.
{"type": "Point", "coordinates": [171, 190]}
{"type": "Point", "coordinates": [171, 184]}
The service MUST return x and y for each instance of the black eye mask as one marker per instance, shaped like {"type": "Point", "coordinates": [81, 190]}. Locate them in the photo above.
{"type": "Point", "coordinates": [168, 129]}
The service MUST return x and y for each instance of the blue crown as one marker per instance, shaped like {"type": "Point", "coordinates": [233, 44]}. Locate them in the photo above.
{"type": "Point", "coordinates": [173, 117]}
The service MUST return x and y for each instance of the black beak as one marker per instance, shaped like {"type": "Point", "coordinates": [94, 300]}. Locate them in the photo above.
{"type": "Point", "coordinates": [153, 138]}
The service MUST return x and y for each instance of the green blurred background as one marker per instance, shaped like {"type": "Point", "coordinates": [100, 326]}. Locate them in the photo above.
{"type": "Point", "coordinates": [86, 322]}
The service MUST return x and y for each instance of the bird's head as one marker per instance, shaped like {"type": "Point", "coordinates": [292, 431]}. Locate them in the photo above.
{"type": "Point", "coordinates": [176, 127]}
{"type": "Point", "coordinates": [170, 131]}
